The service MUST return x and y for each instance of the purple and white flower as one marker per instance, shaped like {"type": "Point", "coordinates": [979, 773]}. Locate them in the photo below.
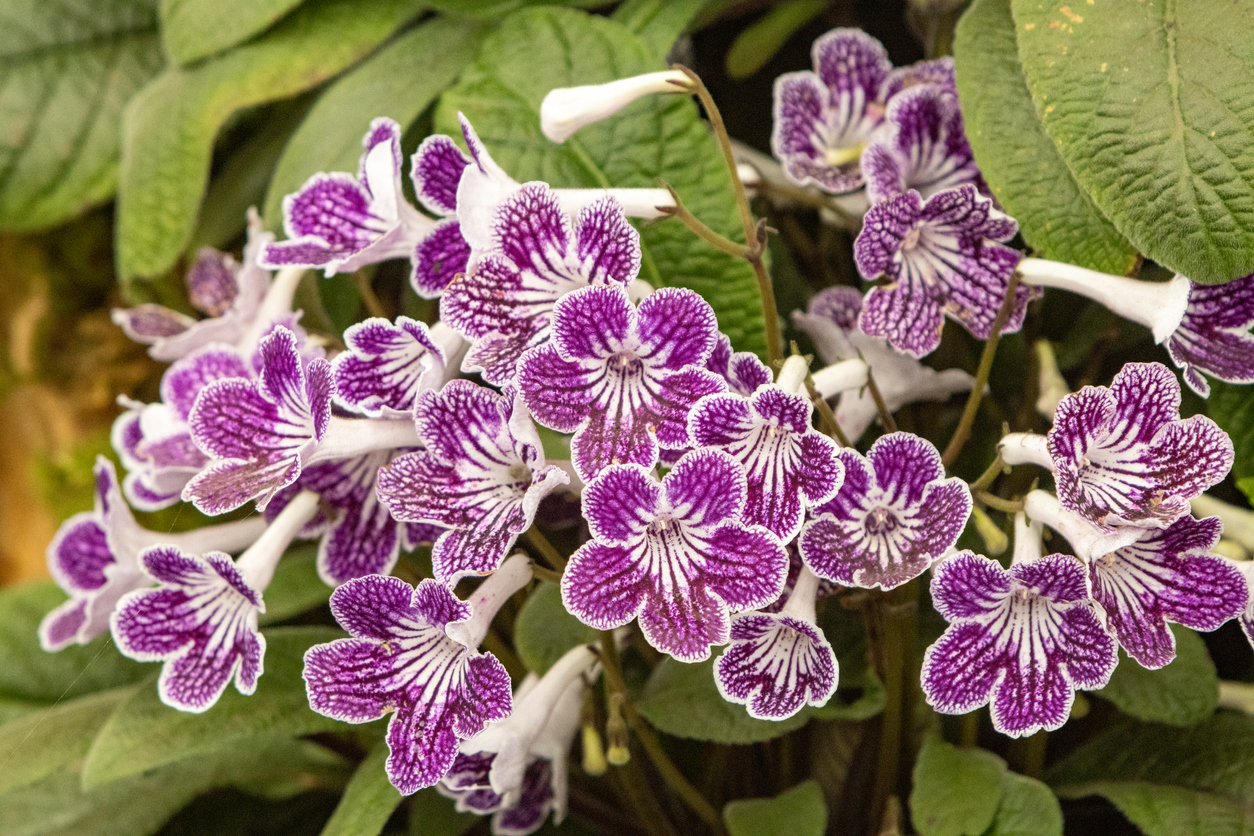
{"type": "Point", "coordinates": [676, 553]}
{"type": "Point", "coordinates": [1088, 541]}
{"type": "Point", "coordinates": [742, 370]}
{"type": "Point", "coordinates": [777, 663]}
{"type": "Point", "coordinates": [95, 554]}
{"type": "Point", "coordinates": [791, 467]}
{"type": "Point", "coordinates": [940, 257]}
{"type": "Point", "coordinates": [386, 366]}
{"type": "Point", "coordinates": [414, 654]}
{"type": "Point", "coordinates": [1123, 455]}
{"type": "Point", "coordinates": [622, 378]}
{"type": "Point", "coordinates": [823, 119]}
{"type": "Point", "coordinates": [831, 320]}
{"type": "Point", "coordinates": [938, 72]}
{"type": "Point", "coordinates": [1022, 640]}
{"type": "Point", "coordinates": [481, 476]}
{"type": "Point", "coordinates": [921, 145]}
{"type": "Point", "coordinates": [201, 620]}
{"type": "Point", "coordinates": [895, 515]}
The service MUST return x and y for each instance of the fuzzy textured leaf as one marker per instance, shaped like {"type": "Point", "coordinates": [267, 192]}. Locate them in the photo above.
{"type": "Point", "coordinates": [144, 732]}
{"type": "Point", "coordinates": [1027, 808]}
{"type": "Point", "coordinates": [956, 791]}
{"type": "Point", "coordinates": [193, 29]}
{"type": "Point", "coordinates": [1152, 107]}
{"type": "Point", "coordinates": [67, 68]}
{"type": "Point", "coordinates": [799, 811]}
{"type": "Point", "coordinates": [1170, 811]}
{"type": "Point", "coordinates": [1232, 408]}
{"type": "Point", "coordinates": [1016, 156]}
{"type": "Point", "coordinates": [536, 50]}
{"type": "Point", "coordinates": [1182, 694]}
{"type": "Point", "coordinates": [659, 23]}
{"type": "Point", "coordinates": [544, 630]}
{"type": "Point", "coordinates": [169, 127]}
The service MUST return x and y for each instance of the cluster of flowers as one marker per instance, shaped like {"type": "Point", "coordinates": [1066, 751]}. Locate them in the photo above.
{"type": "Point", "coordinates": [383, 446]}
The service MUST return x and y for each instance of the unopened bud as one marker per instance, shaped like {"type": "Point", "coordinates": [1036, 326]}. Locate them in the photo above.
{"type": "Point", "coordinates": [995, 540]}
{"type": "Point", "coordinates": [594, 762]}
{"type": "Point", "coordinates": [567, 109]}
{"type": "Point", "coordinates": [617, 752]}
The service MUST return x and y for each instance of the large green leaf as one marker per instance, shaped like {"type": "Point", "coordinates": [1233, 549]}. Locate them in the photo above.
{"type": "Point", "coordinates": [1027, 808]}
{"type": "Point", "coordinates": [368, 801]}
{"type": "Point", "coordinates": [1018, 159]}
{"type": "Point", "coordinates": [1214, 756]}
{"type": "Point", "coordinates": [400, 81]}
{"type": "Point", "coordinates": [144, 732]}
{"type": "Point", "coordinates": [1231, 406]}
{"type": "Point", "coordinates": [799, 811]}
{"type": "Point", "coordinates": [67, 69]}
{"type": "Point", "coordinates": [30, 675]}
{"type": "Point", "coordinates": [140, 804]}
{"type": "Point", "coordinates": [1170, 811]}
{"type": "Point", "coordinates": [1150, 104]}
{"type": "Point", "coordinates": [193, 29]}
{"type": "Point", "coordinates": [41, 742]}
{"type": "Point", "coordinates": [170, 125]}
{"type": "Point", "coordinates": [536, 50]}
{"type": "Point", "coordinates": [544, 630]}
{"type": "Point", "coordinates": [658, 23]}
{"type": "Point", "coordinates": [1181, 694]}
{"type": "Point", "coordinates": [956, 790]}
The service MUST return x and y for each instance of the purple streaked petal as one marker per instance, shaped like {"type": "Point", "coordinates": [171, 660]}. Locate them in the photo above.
{"type": "Point", "coordinates": [187, 377]}
{"type": "Point", "coordinates": [148, 323]}
{"type": "Point", "coordinates": [676, 328]}
{"type": "Point", "coordinates": [621, 502]}
{"type": "Point", "coordinates": [435, 168]}
{"type": "Point", "coordinates": [438, 258]}
{"type": "Point", "coordinates": [938, 72]}
{"type": "Point", "coordinates": [1214, 335]}
{"type": "Point", "coordinates": [685, 623]}
{"type": "Point", "coordinates": [608, 248]}
{"type": "Point", "coordinates": [211, 286]}
{"type": "Point", "coordinates": [60, 628]}
{"type": "Point", "coordinates": [386, 366]}
{"type": "Point", "coordinates": [745, 565]}
{"type": "Point", "coordinates": [743, 371]}
{"type": "Point", "coordinates": [226, 485]}
{"type": "Point", "coordinates": [79, 553]}
{"type": "Point", "coordinates": [593, 324]}
{"type": "Point", "coordinates": [342, 682]}
{"type": "Point", "coordinates": [536, 798]}
{"type": "Point", "coordinates": [848, 60]}
{"type": "Point", "coordinates": [604, 586]}
{"type": "Point", "coordinates": [775, 665]}
{"type": "Point", "coordinates": [706, 488]}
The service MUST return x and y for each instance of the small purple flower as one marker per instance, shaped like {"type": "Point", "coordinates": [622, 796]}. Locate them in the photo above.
{"type": "Point", "coordinates": [779, 662]}
{"type": "Point", "coordinates": [341, 223]}
{"type": "Point", "coordinates": [1021, 640]}
{"type": "Point", "coordinates": [831, 320]}
{"type": "Point", "coordinates": [259, 433]}
{"type": "Point", "coordinates": [894, 516]}
{"type": "Point", "coordinates": [1214, 336]}
{"type": "Point", "coordinates": [505, 301]}
{"type": "Point", "coordinates": [413, 653]}
{"type": "Point", "coordinates": [790, 466]}
{"type": "Point", "coordinates": [1164, 576]}
{"type": "Point", "coordinates": [938, 72]}
{"type": "Point", "coordinates": [481, 476]}
{"type": "Point", "coordinates": [920, 146]}
{"type": "Point", "coordinates": [1123, 456]}
{"type": "Point", "coordinates": [941, 258]}
{"type": "Point", "coordinates": [622, 379]}
{"type": "Point", "coordinates": [386, 366]}
{"type": "Point", "coordinates": [742, 370]}
{"type": "Point", "coordinates": [823, 119]}
{"type": "Point", "coordinates": [675, 553]}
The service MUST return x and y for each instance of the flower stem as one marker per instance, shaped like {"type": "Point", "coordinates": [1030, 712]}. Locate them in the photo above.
{"type": "Point", "coordinates": [826, 415]}
{"type": "Point", "coordinates": [648, 740]}
{"type": "Point", "coordinates": [550, 554]}
{"type": "Point", "coordinates": [987, 477]}
{"type": "Point", "coordinates": [1010, 506]}
{"type": "Point", "coordinates": [886, 417]}
{"type": "Point", "coordinates": [891, 663]}
{"type": "Point", "coordinates": [698, 228]}
{"type": "Point", "coordinates": [963, 431]}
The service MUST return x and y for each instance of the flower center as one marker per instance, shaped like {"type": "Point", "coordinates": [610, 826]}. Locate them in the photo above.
{"type": "Point", "coordinates": [521, 474]}
{"type": "Point", "coordinates": [881, 521]}
{"type": "Point", "coordinates": [662, 524]}
{"type": "Point", "coordinates": [836, 157]}
{"type": "Point", "coordinates": [912, 238]}
{"type": "Point", "coordinates": [626, 363]}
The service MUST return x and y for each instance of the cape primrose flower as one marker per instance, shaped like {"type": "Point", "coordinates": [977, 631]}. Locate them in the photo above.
{"type": "Point", "coordinates": [414, 654]}
{"type": "Point", "coordinates": [823, 119]}
{"type": "Point", "coordinates": [622, 378]}
{"type": "Point", "coordinates": [1123, 456]}
{"type": "Point", "coordinates": [386, 366]}
{"type": "Point", "coordinates": [894, 516]}
{"type": "Point", "coordinates": [941, 258]}
{"type": "Point", "coordinates": [831, 320]}
{"type": "Point", "coordinates": [779, 662]}
{"type": "Point", "coordinates": [94, 557]}
{"type": "Point", "coordinates": [201, 620]}
{"type": "Point", "coordinates": [675, 553]}
{"type": "Point", "coordinates": [790, 466]}
{"type": "Point", "coordinates": [481, 476]}
{"type": "Point", "coordinates": [1021, 640]}
{"type": "Point", "coordinates": [742, 370]}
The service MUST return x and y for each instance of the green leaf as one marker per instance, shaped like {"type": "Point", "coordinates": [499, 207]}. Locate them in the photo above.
{"type": "Point", "coordinates": [41, 742]}
{"type": "Point", "coordinates": [399, 81]}
{"type": "Point", "coordinates": [799, 811]}
{"type": "Point", "coordinates": [368, 801]}
{"type": "Point", "coordinates": [1027, 808]}
{"type": "Point", "coordinates": [194, 29]}
{"type": "Point", "coordinates": [544, 630]}
{"type": "Point", "coordinates": [1214, 756]}
{"type": "Point", "coordinates": [1182, 694]}
{"type": "Point", "coordinates": [29, 674]}
{"type": "Point", "coordinates": [658, 23]}
{"type": "Point", "coordinates": [956, 791]}
{"type": "Point", "coordinates": [431, 814]}
{"type": "Point", "coordinates": [169, 127]}
{"type": "Point", "coordinates": [536, 50]}
{"type": "Point", "coordinates": [296, 587]}
{"type": "Point", "coordinates": [1170, 811]}
{"type": "Point", "coordinates": [682, 700]}
{"type": "Point", "coordinates": [1231, 406]}
{"type": "Point", "coordinates": [757, 43]}
{"type": "Point", "coordinates": [1150, 105]}
{"type": "Point", "coordinates": [144, 732]}
{"type": "Point", "coordinates": [140, 804]}
{"type": "Point", "coordinates": [1016, 156]}
{"type": "Point", "coordinates": [67, 68]}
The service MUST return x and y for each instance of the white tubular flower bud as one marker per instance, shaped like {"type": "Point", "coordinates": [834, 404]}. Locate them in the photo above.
{"type": "Point", "coordinates": [567, 109]}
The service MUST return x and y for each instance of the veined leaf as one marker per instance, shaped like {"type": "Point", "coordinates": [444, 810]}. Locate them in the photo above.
{"type": "Point", "coordinates": [799, 811]}
{"type": "Point", "coordinates": [956, 790]}
{"type": "Point", "coordinates": [658, 23]}
{"type": "Point", "coordinates": [544, 630]}
{"type": "Point", "coordinates": [1027, 808]}
{"type": "Point", "coordinates": [1159, 810]}
{"type": "Point", "coordinates": [193, 29]}
{"type": "Point", "coordinates": [1183, 693]}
